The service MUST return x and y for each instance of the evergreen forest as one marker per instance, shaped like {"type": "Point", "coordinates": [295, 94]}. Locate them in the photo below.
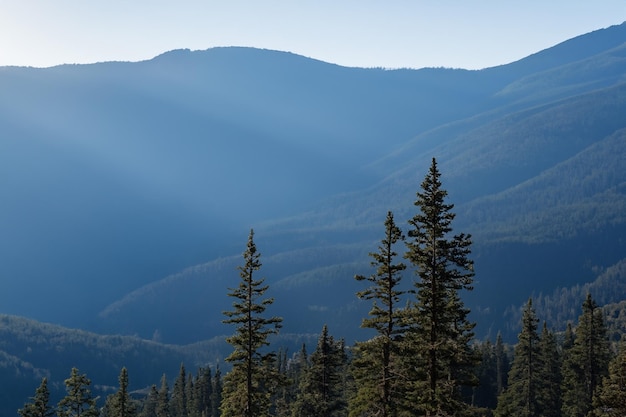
{"type": "Point", "coordinates": [419, 355]}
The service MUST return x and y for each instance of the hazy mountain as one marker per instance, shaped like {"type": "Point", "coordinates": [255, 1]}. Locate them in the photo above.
{"type": "Point", "coordinates": [129, 188]}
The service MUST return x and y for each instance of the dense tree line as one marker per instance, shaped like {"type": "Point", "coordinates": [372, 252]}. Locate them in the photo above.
{"type": "Point", "coordinates": [423, 359]}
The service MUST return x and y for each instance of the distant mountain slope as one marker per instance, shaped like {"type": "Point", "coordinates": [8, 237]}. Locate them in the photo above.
{"type": "Point", "coordinates": [117, 175]}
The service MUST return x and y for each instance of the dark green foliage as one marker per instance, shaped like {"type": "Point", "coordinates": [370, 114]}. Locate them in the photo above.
{"type": "Point", "coordinates": [321, 390]}
{"type": "Point", "coordinates": [78, 401]}
{"type": "Point", "coordinates": [40, 405]}
{"type": "Point", "coordinates": [520, 399]}
{"type": "Point", "coordinates": [178, 400]}
{"type": "Point", "coordinates": [248, 386]}
{"type": "Point", "coordinates": [440, 331]}
{"type": "Point", "coordinates": [121, 404]}
{"type": "Point", "coordinates": [610, 398]}
{"type": "Point", "coordinates": [376, 370]}
{"type": "Point", "coordinates": [586, 362]}
{"type": "Point", "coordinates": [150, 403]}
{"type": "Point", "coordinates": [163, 399]}
{"type": "Point", "coordinates": [549, 393]}
{"type": "Point", "coordinates": [216, 396]}
{"type": "Point", "coordinates": [201, 404]}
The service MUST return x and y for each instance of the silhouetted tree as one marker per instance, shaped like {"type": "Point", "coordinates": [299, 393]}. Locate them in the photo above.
{"type": "Point", "coordinates": [440, 332]}
{"type": "Point", "coordinates": [121, 404]}
{"type": "Point", "coordinates": [376, 368]}
{"type": "Point", "coordinates": [247, 387]}
{"type": "Point", "coordinates": [586, 361]}
{"type": "Point", "coordinates": [78, 401]}
{"type": "Point", "coordinates": [520, 399]}
{"type": "Point", "coordinates": [40, 405]}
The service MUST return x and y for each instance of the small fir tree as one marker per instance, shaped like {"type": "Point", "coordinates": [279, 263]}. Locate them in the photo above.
{"type": "Point", "coordinates": [520, 399]}
{"type": "Point", "coordinates": [376, 371]}
{"type": "Point", "coordinates": [78, 401]}
{"type": "Point", "coordinates": [247, 387]}
{"type": "Point", "coordinates": [610, 398]}
{"type": "Point", "coordinates": [178, 400]}
{"type": "Point", "coordinates": [321, 392]}
{"type": "Point", "coordinates": [586, 361]}
{"type": "Point", "coordinates": [163, 399]}
{"type": "Point", "coordinates": [121, 404]}
{"type": "Point", "coordinates": [40, 405]}
{"type": "Point", "coordinates": [149, 408]}
{"type": "Point", "coordinates": [549, 395]}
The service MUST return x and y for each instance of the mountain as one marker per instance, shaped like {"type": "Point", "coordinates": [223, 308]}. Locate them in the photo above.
{"type": "Point", "coordinates": [129, 188]}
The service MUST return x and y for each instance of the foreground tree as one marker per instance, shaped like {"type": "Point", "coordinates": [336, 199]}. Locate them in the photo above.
{"type": "Point", "coordinates": [163, 399]}
{"type": "Point", "coordinates": [440, 332]}
{"type": "Point", "coordinates": [610, 398]}
{"type": "Point", "coordinates": [520, 399]}
{"type": "Point", "coordinates": [40, 405]}
{"type": "Point", "coordinates": [120, 404]}
{"type": "Point", "coordinates": [247, 387]}
{"type": "Point", "coordinates": [321, 391]}
{"type": "Point", "coordinates": [78, 401]}
{"type": "Point", "coordinates": [376, 369]}
{"type": "Point", "coordinates": [586, 361]}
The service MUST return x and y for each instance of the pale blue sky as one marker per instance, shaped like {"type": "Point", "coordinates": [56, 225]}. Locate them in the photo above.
{"type": "Point", "coordinates": [364, 33]}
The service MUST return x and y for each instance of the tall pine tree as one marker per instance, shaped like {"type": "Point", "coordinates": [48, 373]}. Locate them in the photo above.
{"type": "Point", "coordinates": [247, 387]}
{"type": "Point", "coordinates": [440, 333]}
{"type": "Point", "coordinates": [376, 371]}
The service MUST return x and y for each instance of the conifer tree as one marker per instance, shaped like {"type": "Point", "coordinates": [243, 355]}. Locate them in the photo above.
{"type": "Point", "coordinates": [149, 408]}
{"type": "Point", "coordinates": [321, 392]}
{"type": "Point", "coordinates": [40, 405]}
{"type": "Point", "coordinates": [440, 330]}
{"type": "Point", "coordinates": [549, 393]}
{"type": "Point", "coordinates": [78, 402]}
{"type": "Point", "coordinates": [586, 362]}
{"type": "Point", "coordinates": [121, 404]}
{"type": "Point", "coordinates": [376, 371]}
{"type": "Point", "coordinates": [610, 398]}
{"type": "Point", "coordinates": [178, 400]}
{"type": "Point", "coordinates": [502, 365]}
{"type": "Point", "coordinates": [520, 399]}
{"type": "Point", "coordinates": [163, 400]}
{"type": "Point", "coordinates": [247, 387]}
{"type": "Point", "coordinates": [203, 392]}
{"type": "Point", "coordinates": [216, 396]}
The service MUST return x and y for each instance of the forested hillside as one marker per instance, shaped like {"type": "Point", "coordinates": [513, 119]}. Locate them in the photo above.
{"type": "Point", "coordinates": [130, 187]}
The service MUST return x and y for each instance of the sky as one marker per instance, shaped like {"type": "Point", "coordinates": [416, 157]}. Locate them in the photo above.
{"type": "Point", "coordinates": [470, 34]}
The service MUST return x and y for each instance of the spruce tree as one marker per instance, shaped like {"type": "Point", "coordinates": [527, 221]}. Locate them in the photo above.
{"type": "Point", "coordinates": [586, 362]}
{"type": "Point", "coordinates": [216, 396]}
{"type": "Point", "coordinates": [121, 404]}
{"type": "Point", "coordinates": [178, 400]}
{"type": "Point", "coordinates": [520, 399]}
{"type": "Point", "coordinates": [149, 408]}
{"type": "Point", "coordinates": [163, 400]}
{"type": "Point", "coordinates": [78, 401]}
{"type": "Point", "coordinates": [203, 391]}
{"type": "Point", "coordinates": [503, 365]}
{"type": "Point", "coordinates": [40, 405]}
{"type": "Point", "coordinates": [376, 372]}
{"type": "Point", "coordinates": [247, 387]}
{"type": "Point", "coordinates": [321, 392]}
{"type": "Point", "coordinates": [440, 333]}
{"type": "Point", "coordinates": [549, 395]}
{"type": "Point", "coordinates": [610, 398]}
